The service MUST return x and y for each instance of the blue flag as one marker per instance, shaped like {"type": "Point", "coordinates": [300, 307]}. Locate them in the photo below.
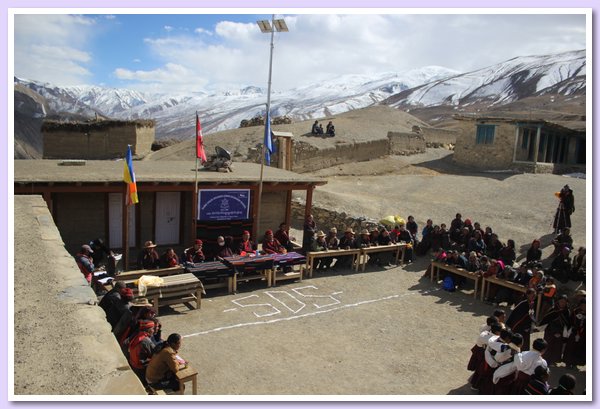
{"type": "Point", "coordinates": [268, 140]}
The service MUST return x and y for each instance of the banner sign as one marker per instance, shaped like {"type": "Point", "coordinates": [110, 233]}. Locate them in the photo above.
{"type": "Point", "coordinates": [220, 204]}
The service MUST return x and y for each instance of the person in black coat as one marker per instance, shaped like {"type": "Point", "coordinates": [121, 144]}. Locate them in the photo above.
{"type": "Point", "coordinates": [566, 207]}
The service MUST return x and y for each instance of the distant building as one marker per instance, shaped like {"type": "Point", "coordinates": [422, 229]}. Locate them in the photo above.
{"type": "Point", "coordinates": [537, 146]}
{"type": "Point", "coordinates": [105, 139]}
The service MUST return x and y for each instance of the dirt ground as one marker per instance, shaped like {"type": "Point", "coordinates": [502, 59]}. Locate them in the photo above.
{"type": "Point", "coordinates": [386, 331]}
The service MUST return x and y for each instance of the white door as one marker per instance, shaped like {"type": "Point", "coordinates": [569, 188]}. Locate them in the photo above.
{"type": "Point", "coordinates": [115, 221]}
{"type": "Point", "coordinates": [167, 217]}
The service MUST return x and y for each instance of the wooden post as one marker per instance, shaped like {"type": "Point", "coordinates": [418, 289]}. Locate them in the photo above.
{"type": "Point", "coordinates": [125, 229]}
{"type": "Point", "coordinates": [537, 147]}
{"type": "Point", "coordinates": [254, 211]}
{"type": "Point", "coordinates": [288, 208]}
{"type": "Point", "coordinates": [194, 214]}
{"type": "Point", "coordinates": [309, 196]}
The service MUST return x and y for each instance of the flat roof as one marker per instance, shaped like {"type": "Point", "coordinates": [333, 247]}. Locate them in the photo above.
{"type": "Point", "coordinates": [106, 171]}
{"type": "Point", "coordinates": [565, 126]}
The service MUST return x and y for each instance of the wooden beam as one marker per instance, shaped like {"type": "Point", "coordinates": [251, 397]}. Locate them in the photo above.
{"type": "Point", "coordinates": [309, 197]}
{"type": "Point", "coordinates": [288, 208]}
{"type": "Point", "coordinates": [125, 228]}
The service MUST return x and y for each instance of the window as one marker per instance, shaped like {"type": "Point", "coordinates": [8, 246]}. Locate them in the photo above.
{"type": "Point", "coordinates": [485, 134]}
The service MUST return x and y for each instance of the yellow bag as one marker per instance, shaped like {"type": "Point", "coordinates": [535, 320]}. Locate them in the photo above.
{"type": "Point", "coordinates": [399, 220]}
{"type": "Point", "coordinates": [148, 281]}
{"type": "Point", "coordinates": [388, 221]}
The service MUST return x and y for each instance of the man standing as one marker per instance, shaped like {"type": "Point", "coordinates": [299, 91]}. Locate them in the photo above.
{"type": "Point", "coordinates": [522, 316]}
{"type": "Point", "coordinates": [162, 370]}
{"type": "Point", "coordinates": [566, 207]}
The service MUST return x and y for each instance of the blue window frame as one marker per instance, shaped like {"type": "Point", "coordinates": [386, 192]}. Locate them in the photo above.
{"type": "Point", "coordinates": [485, 134]}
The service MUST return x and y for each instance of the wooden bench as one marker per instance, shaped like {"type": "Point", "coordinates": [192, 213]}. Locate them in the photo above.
{"type": "Point", "coordinates": [487, 281]}
{"type": "Point", "coordinates": [176, 289]}
{"type": "Point", "coordinates": [436, 266]}
{"type": "Point", "coordinates": [394, 247]}
{"type": "Point", "coordinates": [282, 261]}
{"type": "Point", "coordinates": [161, 272]}
{"type": "Point", "coordinates": [312, 255]}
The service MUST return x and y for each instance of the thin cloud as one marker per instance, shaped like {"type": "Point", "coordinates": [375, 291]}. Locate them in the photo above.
{"type": "Point", "coordinates": [316, 48]}
{"type": "Point", "coordinates": [52, 48]}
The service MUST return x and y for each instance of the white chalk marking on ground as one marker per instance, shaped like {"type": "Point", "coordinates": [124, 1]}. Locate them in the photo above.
{"type": "Point", "coordinates": [335, 300]}
{"type": "Point", "coordinates": [272, 295]}
{"type": "Point", "coordinates": [231, 309]}
{"type": "Point", "coordinates": [309, 314]}
{"type": "Point", "coordinates": [275, 310]}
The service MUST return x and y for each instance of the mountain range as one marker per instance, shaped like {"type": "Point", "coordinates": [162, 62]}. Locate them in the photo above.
{"type": "Point", "coordinates": [428, 87]}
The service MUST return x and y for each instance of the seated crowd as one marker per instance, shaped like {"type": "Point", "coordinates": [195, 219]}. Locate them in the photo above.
{"type": "Point", "coordinates": [501, 359]}
{"type": "Point", "coordinates": [139, 334]}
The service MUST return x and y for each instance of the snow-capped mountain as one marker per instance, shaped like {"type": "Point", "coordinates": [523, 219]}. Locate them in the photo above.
{"type": "Point", "coordinates": [432, 86]}
{"type": "Point", "coordinates": [502, 83]}
{"type": "Point", "coordinates": [225, 110]}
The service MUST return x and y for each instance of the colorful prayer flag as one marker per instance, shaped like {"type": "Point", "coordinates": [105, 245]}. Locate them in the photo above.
{"type": "Point", "coordinates": [129, 178]}
{"type": "Point", "coordinates": [200, 154]}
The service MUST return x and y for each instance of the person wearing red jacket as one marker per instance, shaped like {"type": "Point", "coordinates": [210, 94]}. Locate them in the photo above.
{"type": "Point", "coordinates": [141, 348]}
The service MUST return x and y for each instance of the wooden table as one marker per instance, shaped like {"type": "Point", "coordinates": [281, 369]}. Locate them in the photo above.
{"type": "Point", "coordinates": [251, 268]}
{"type": "Point", "coordinates": [312, 255]}
{"type": "Point", "coordinates": [213, 274]}
{"type": "Point", "coordinates": [185, 375]}
{"type": "Point", "coordinates": [365, 251]}
{"type": "Point", "coordinates": [175, 289]}
{"type": "Point", "coordinates": [282, 261]}
{"type": "Point", "coordinates": [436, 266]}
{"type": "Point", "coordinates": [485, 289]}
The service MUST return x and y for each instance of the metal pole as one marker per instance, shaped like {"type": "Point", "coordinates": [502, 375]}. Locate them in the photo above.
{"type": "Point", "coordinates": [195, 200]}
{"type": "Point", "coordinates": [262, 155]}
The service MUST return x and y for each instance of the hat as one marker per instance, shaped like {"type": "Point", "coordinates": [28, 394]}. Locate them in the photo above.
{"type": "Point", "coordinates": [268, 232]}
{"type": "Point", "coordinates": [146, 324]}
{"type": "Point", "coordinates": [127, 293]}
{"type": "Point", "coordinates": [149, 245]}
{"type": "Point", "coordinates": [333, 230]}
{"type": "Point", "coordinates": [141, 302]}
{"type": "Point", "coordinates": [320, 233]}
{"type": "Point", "coordinates": [198, 242]}
{"type": "Point", "coordinates": [349, 230]}
{"type": "Point", "coordinates": [246, 232]}
{"type": "Point", "coordinates": [87, 248]}
{"type": "Point", "coordinates": [364, 231]}
{"type": "Point", "coordinates": [467, 221]}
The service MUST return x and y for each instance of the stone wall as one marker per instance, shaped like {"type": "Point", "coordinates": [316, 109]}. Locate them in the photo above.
{"type": "Point", "coordinates": [327, 219]}
{"type": "Point", "coordinates": [495, 156]}
{"type": "Point", "coordinates": [307, 158]}
{"type": "Point", "coordinates": [439, 137]}
{"type": "Point", "coordinates": [96, 142]}
{"type": "Point", "coordinates": [63, 344]}
{"type": "Point", "coordinates": [406, 143]}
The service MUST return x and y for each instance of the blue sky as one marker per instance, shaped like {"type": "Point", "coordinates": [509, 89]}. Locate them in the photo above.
{"type": "Point", "coordinates": [196, 52]}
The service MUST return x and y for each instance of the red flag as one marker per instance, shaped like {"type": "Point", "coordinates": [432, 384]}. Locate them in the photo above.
{"type": "Point", "coordinates": [200, 154]}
